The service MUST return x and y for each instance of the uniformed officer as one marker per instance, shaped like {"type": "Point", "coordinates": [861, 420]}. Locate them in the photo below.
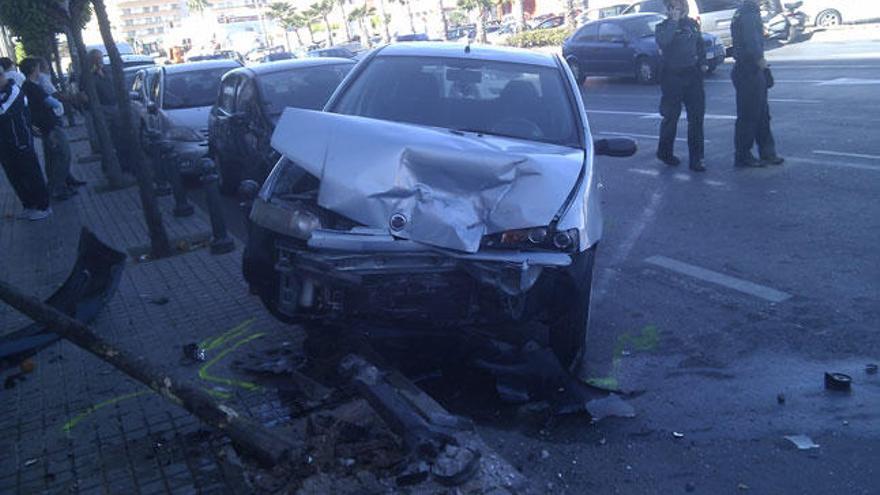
{"type": "Point", "coordinates": [750, 78]}
{"type": "Point", "coordinates": [683, 56]}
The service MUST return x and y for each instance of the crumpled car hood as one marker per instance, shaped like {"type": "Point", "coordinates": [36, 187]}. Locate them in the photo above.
{"type": "Point", "coordinates": [451, 189]}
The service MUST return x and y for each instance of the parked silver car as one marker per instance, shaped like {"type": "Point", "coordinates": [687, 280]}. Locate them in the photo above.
{"type": "Point", "coordinates": [714, 16]}
{"type": "Point", "coordinates": [175, 100]}
{"type": "Point", "coordinates": [441, 183]}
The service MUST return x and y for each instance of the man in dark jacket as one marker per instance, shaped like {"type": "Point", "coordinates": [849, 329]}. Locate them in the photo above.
{"type": "Point", "coordinates": [17, 152]}
{"type": "Point", "coordinates": [681, 82]}
{"type": "Point", "coordinates": [750, 78]}
{"type": "Point", "coordinates": [46, 112]}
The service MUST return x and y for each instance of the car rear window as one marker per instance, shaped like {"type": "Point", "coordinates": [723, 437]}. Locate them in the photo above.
{"type": "Point", "coordinates": [522, 101]}
{"type": "Point", "coordinates": [707, 6]}
{"type": "Point", "coordinates": [193, 89]}
{"type": "Point", "coordinates": [308, 88]}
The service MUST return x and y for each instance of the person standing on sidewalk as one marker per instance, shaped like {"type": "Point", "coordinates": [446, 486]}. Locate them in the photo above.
{"type": "Point", "coordinates": [17, 153]}
{"type": "Point", "coordinates": [46, 112]}
{"type": "Point", "coordinates": [45, 80]}
{"type": "Point", "coordinates": [683, 56]}
{"type": "Point", "coordinates": [8, 67]}
{"type": "Point", "coordinates": [751, 78]}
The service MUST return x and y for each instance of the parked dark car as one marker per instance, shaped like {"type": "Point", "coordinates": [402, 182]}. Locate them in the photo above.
{"type": "Point", "coordinates": [411, 37]}
{"type": "Point", "coordinates": [625, 46]}
{"type": "Point", "coordinates": [276, 57]}
{"type": "Point", "coordinates": [551, 23]}
{"type": "Point", "coordinates": [251, 101]}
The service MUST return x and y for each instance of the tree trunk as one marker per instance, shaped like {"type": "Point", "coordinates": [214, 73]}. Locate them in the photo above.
{"type": "Point", "coordinates": [519, 14]}
{"type": "Point", "coordinates": [159, 244]}
{"type": "Point", "coordinates": [384, 21]}
{"type": "Point", "coordinates": [87, 83]}
{"type": "Point", "coordinates": [445, 19]}
{"type": "Point", "coordinates": [287, 39]}
{"type": "Point", "coordinates": [329, 30]}
{"type": "Point", "coordinates": [311, 33]}
{"type": "Point", "coordinates": [298, 37]}
{"type": "Point", "coordinates": [412, 22]}
{"type": "Point", "coordinates": [481, 27]}
{"type": "Point", "coordinates": [570, 17]}
{"type": "Point", "coordinates": [345, 21]}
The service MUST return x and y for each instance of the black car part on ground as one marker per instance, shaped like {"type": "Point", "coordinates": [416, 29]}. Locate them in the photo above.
{"type": "Point", "coordinates": [91, 283]}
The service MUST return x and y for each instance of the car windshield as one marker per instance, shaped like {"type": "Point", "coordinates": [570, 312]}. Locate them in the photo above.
{"type": "Point", "coordinates": [640, 28]}
{"type": "Point", "coordinates": [507, 99]}
{"type": "Point", "coordinates": [193, 89]}
{"type": "Point", "coordinates": [308, 88]}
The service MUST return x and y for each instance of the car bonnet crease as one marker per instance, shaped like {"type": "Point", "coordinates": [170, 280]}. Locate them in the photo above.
{"type": "Point", "coordinates": [451, 189]}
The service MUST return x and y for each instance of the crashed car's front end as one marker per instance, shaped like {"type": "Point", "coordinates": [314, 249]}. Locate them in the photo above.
{"type": "Point", "coordinates": [367, 218]}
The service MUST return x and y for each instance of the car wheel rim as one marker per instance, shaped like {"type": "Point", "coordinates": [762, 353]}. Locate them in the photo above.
{"type": "Point", "coordinates": [828, 19]}
{"type": "Point", "coordinates": [645, 71]}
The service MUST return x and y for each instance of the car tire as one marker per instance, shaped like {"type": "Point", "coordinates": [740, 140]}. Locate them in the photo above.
{"type": "Point", "coordinates": [645, 71]}
{"type": "Point", "coordinates": [230, 176]}
{"type": "Point", "coordinates": [829, 18]}
{"type": "Point", "coordinates": [579, 76]}
{"type": "Point", "coordinates": [568, 331]}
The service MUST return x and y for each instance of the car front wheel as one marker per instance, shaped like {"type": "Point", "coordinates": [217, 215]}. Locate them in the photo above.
{"type": "Point", "coordinates": [829, 18]}
{"type": "Point", "coordinates": [576, 71]}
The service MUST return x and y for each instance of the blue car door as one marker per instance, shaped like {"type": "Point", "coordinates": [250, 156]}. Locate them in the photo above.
{"type": "Point", "coordinates": [583, 46]}
{"type": "Point", "coordinates": [615, 54]}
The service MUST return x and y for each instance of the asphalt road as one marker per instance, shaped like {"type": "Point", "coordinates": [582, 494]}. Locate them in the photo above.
{"type": "Point", "coordinates": [717, 292]}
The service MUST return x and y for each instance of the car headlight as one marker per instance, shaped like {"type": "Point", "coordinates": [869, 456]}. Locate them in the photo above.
{"type": "Point", "coordinates": [291, 219]}
{"type": "Point", "coordinates": [184, 134]}
{"type": "Point", "coordinates": [535, 238]}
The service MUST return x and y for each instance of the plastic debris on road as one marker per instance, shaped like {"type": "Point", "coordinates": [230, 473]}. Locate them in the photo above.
{"type": "Point", "coordinates": [802, 442]}
{"type": "Point", "coordinates": [612, 405]}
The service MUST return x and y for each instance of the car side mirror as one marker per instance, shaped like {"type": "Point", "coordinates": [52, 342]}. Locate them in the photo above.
{"type": "Point", "coordinates": [615, 147]}
{"type": "Point", "coordinates": [152, 108]}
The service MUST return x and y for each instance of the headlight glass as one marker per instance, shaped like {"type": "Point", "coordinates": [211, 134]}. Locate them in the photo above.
{"type": "Point", "coordinates": [535, 238]}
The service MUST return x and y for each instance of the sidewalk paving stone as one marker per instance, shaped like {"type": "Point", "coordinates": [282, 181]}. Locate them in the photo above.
{"type": "Point", "coordinates": [75, 424]}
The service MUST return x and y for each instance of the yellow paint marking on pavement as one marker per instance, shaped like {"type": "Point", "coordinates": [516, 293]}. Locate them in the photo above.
{"type": "Point", "coordinates": [230, 334]}
{"type": "Point", "coordinates": [91, 409]}
{"type": "Point", "coordinates": [203, 371]}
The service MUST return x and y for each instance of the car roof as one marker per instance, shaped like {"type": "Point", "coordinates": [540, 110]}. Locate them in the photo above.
{"type": "Point", "coordinates": [286, 65]}
{"type": "Point", "coordinates": [624, 18]}
{"type": "Point", "coordinates": [202, 65]}
{"type": "Point", "coordinates": [458, 50]}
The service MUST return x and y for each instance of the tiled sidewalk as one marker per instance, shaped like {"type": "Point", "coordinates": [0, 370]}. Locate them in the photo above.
{"type": "Point", "coordinates": [76, 425]}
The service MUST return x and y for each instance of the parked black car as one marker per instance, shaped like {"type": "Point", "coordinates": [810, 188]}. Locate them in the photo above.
{"type": "Point", "coordinates": [251, 101]}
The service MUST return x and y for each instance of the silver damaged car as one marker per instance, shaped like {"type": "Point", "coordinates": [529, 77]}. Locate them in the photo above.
{"type": "Point", "coordinates": [441, 184]}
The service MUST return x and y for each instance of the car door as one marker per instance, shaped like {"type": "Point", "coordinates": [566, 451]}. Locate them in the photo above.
{"type": "Point", "coordinates": [246, 124]}
{"type": "Point", "coordinates": [715, 17]}
{"type": "Point", "coordinates": [153, 102]}
{"type": "Point", "coordinates": [583, 46]}
{"type": "Point", "coordinates": [615, 54]}
{"type": "Point", "coordinates": [220, 134]}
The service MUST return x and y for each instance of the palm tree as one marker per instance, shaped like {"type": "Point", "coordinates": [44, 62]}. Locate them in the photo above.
{"type": "Point", "coordinates": [341, 4]}
{"type": "Point", "coordinates": [412, 24]}
{"type": "Point", "coordinates": [570, 16]}
{"type": "Point", "coordinates": [285, 15]}
{"type": "Point", "coordinates": [478, 8]}
{"type": "Point", "coordinates": [445, 20]}
{"type": "Point", "coordinates": [159, 244]}
{"type": "Point", "coordinates": [360, 15]}
{"type": "Point", "coordinates": [385, 20]}
{"type": "Point", "coordinates": [197, 5]}
{"type": "Point", "coordinates": [323, 9]}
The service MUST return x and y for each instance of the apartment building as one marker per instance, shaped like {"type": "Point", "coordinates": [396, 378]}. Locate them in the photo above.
{"type": "Point", "coordinates": [147, 21]}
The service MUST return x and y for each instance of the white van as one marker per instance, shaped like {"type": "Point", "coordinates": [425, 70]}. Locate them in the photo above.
{"type": "Point", "coordinates": [714, 16]}
{"type": "Point", "coordinates": [827, 13]}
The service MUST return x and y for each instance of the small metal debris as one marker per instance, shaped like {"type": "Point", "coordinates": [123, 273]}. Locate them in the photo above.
{"type": "Point", "coordinates": [346, 462]}
{"type": "Point", "coordinates": [677, 435]}
{"type": "Point", "coordinates": [845, 423]}
{"type": "Point", "coordinates": [838, 381]}
{"type": "Point", "coordinates": [31, 462]}
{"type": "Point", "coordinates": [625, 353]}
{"type": "Point", "coordinates": [602, 441]}
{"type": "Point", "coordinates": [194, 352]}
{"type": "Point", "coordinates": [742, 486]}
{"type": "Point", "coordinates": [871, 368]}
{"type": "Point", "coordinates": [802, 442]}
{"type": "Point", "coordinates": [455, 465]}
{"type": "Point", "coordinates": [780, 399]}
{"type": "Point", "coordinates": [545, 454]}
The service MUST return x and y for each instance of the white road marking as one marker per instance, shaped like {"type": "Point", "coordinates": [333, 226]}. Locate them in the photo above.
{"type": "Point", "coordinates": [778, 81]}
{"type": "Point", "coordinates": [849, 155]}
{"type": "Point", "coordinates": [657, 116]}
{"type": "Point", "coordinates": [643, 136]}
{"type": "Point", "coordinates": [832, 163]}
{"type": "Point", "coordinates": [714, 183]}
{"type": "Point", "coordinates": [645, 171]}
{"type": "Point", "coordinates": [744, 286]}
{"type": "Point", "coordinates": [849, 81]}
{"type": "Point", "coordinates": [682, 177]}
{"type": "Point", "coordinates": [829, 66]}
{"type": "Point", "coordinates": [792, 100]}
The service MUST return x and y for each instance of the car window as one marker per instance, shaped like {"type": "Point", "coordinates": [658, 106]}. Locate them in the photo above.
{"type": "Point", "coordinates": [707, 6]}
{"type": "Point", "coordinates": [308, 88]}
{"type": "Point", "coordinates": [642, 27]}
{"type": "Point", "coordinates": [508, 99]}
{"type": "Point", "coordinates": [246, 102]}
{"type": "Point", "coordinates": [154, 89]}
{"type": "Point", "coordinates": [610, 32]}
{"type": "Point", "coordinates": [646, 6]}
{"type": "Point", "coordinates": [192, 89]}
{"type": "Point", "coordinates": [226, 100]}
{"type": "Point", "coordinates": [588, 33]}
{"type": "Point", "coordinates": [138, 84]}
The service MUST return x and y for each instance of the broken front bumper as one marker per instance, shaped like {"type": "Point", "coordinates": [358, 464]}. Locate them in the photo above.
{"type": "Point", "coordinates": [369, 272]}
